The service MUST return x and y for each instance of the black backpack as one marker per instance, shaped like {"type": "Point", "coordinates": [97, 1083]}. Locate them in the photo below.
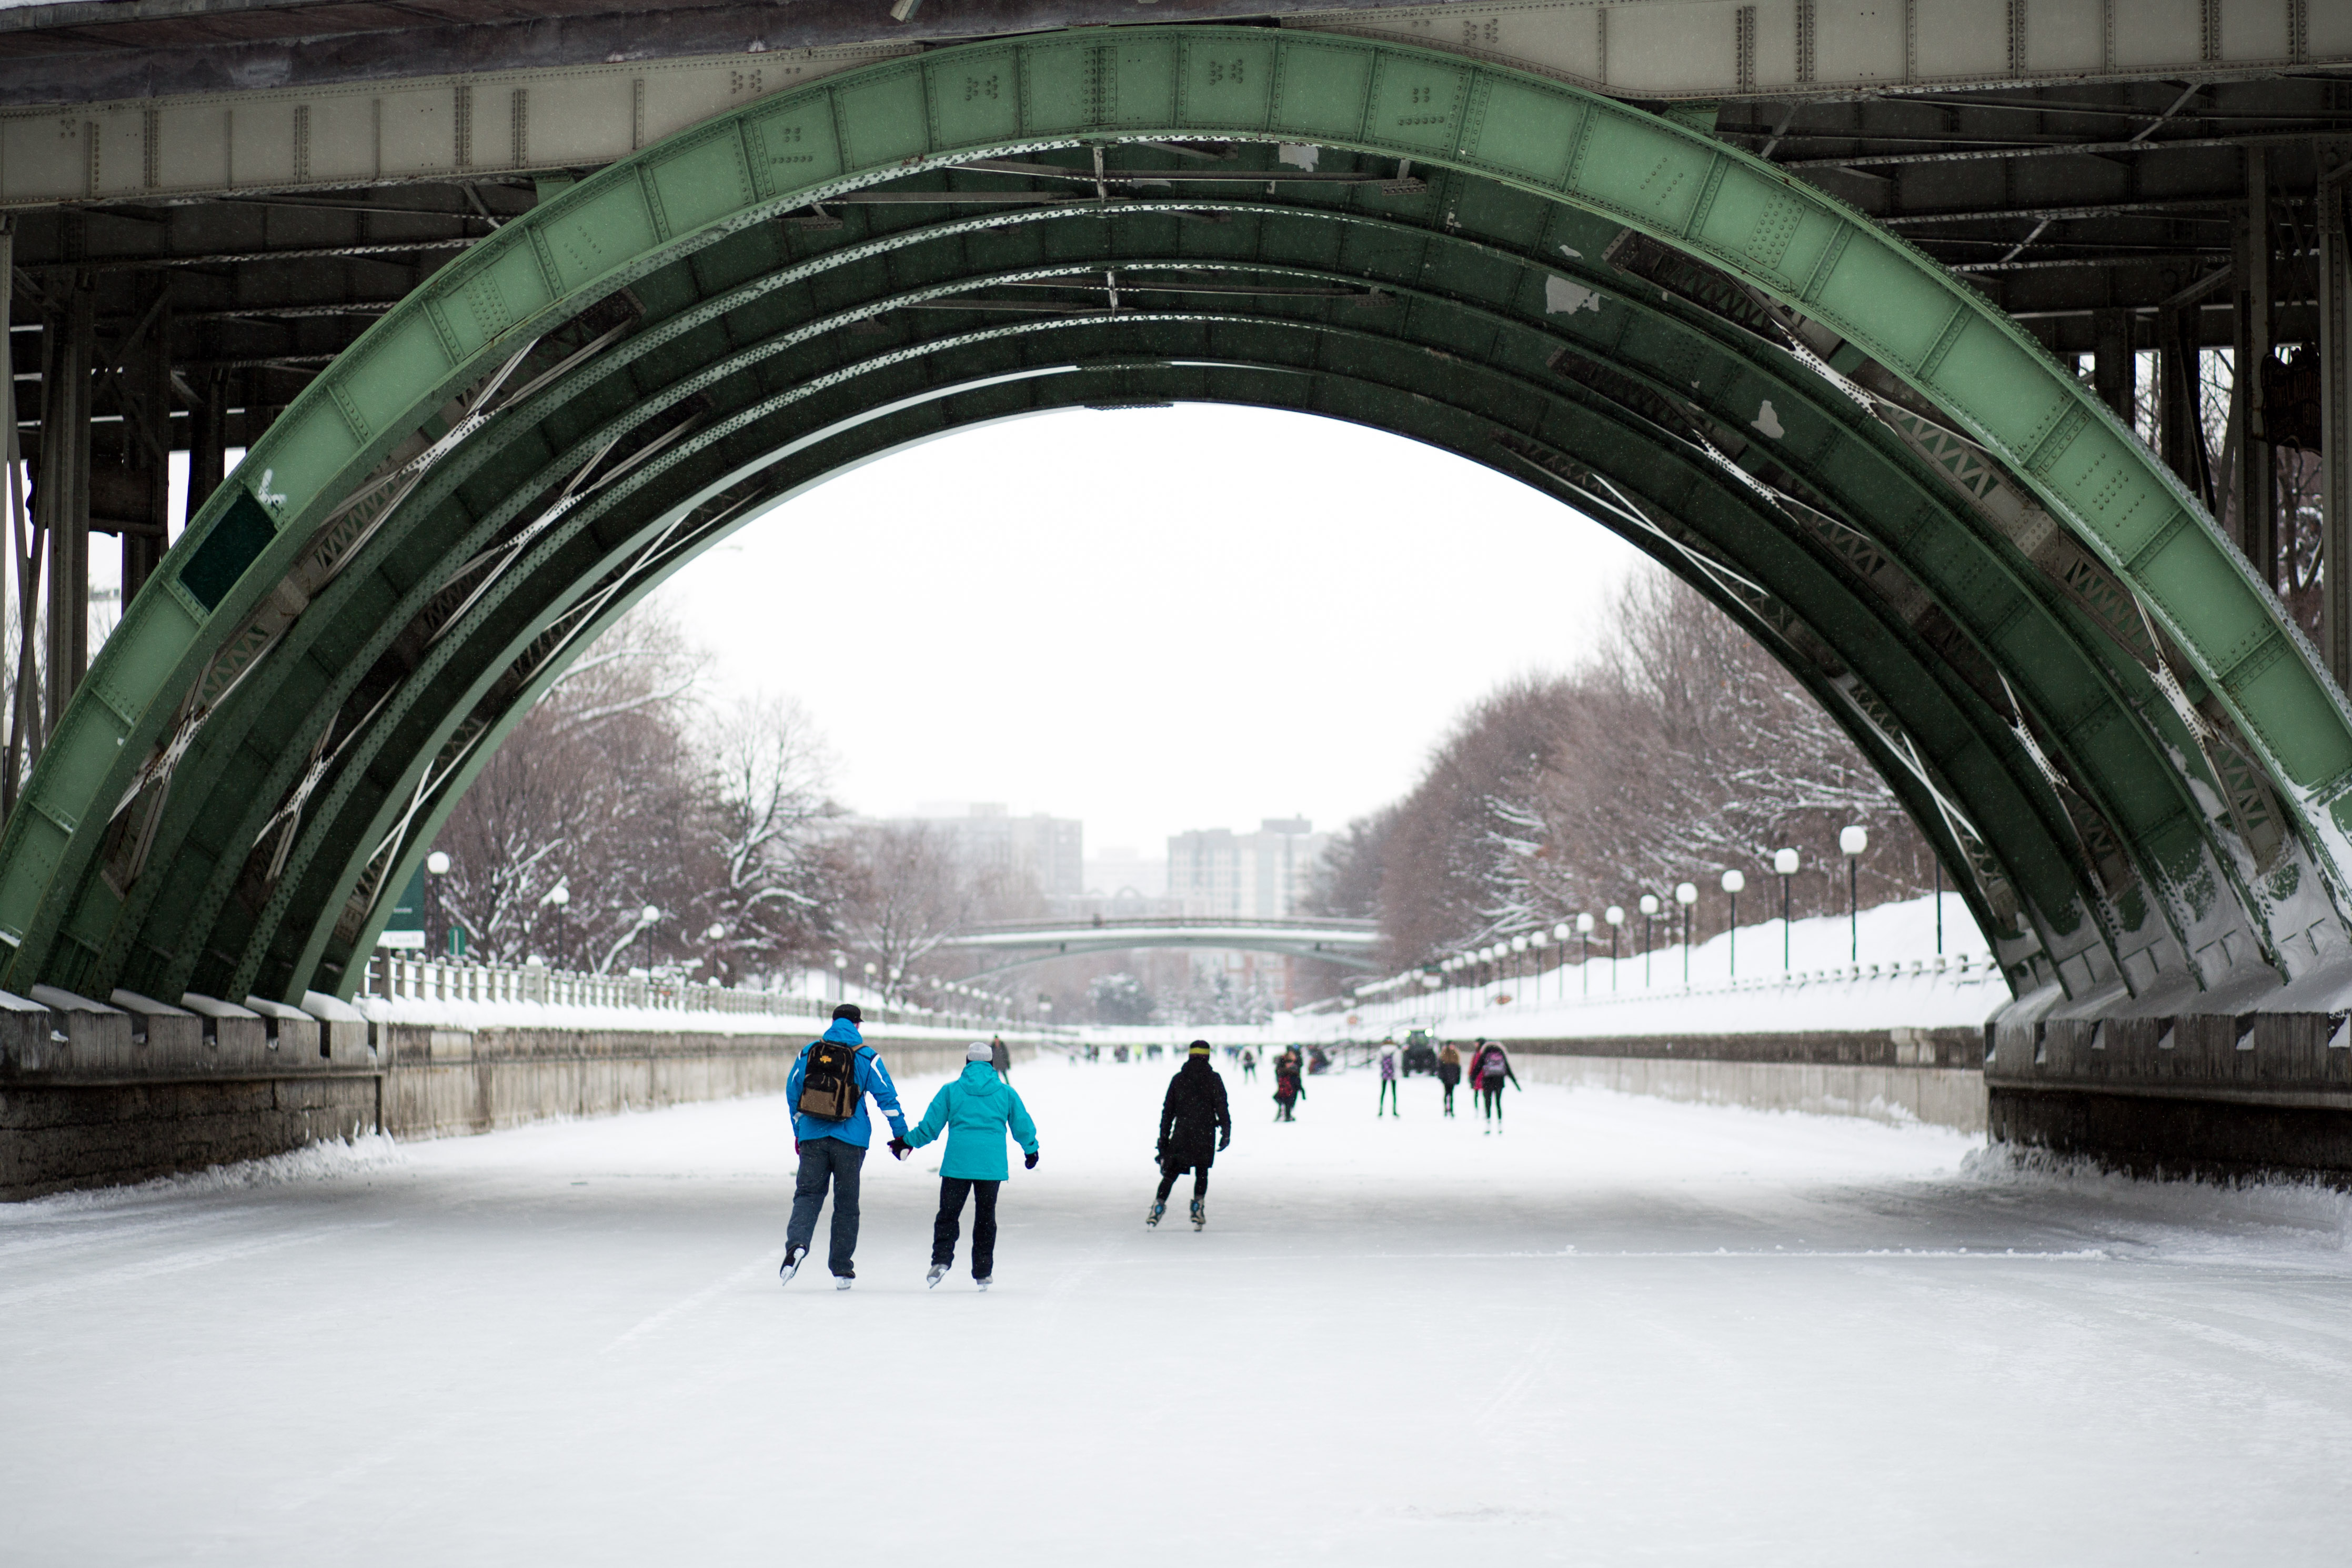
{"type": "Point", "coordinates": [829, 1085]}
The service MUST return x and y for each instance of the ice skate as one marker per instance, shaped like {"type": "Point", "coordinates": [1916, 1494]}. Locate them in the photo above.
{"type": "Point", "coordinates": [844, 1281]}
{"type": "Point", "coordinates": [938, 1271]}
{"type": "Point", "coordinates": [1200, 1214]}
{"type": "Point", "coordinates": [1151, 1220]}
{"type": "Point", "coordinates": [792, 1266]}
{"type": "Point", "coordinates": [983, 1282]}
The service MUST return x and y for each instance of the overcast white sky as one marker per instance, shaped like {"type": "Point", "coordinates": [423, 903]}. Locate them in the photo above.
{"type": "Point", "coordinates": [1153, 620]}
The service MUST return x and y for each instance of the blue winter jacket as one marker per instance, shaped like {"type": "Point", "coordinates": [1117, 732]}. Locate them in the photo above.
{"type": "Point", "coordinates": [872, 1078]}
{"type": "Point", "coordinates": [973, 1111]}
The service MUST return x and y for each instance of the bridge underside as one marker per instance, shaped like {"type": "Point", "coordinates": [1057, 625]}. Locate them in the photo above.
{"type": "Point", "coordinates": [2127, 759]}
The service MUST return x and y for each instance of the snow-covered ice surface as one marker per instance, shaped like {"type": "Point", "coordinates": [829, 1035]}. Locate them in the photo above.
{"type": "Point", "coordinates": [1626, 1332]}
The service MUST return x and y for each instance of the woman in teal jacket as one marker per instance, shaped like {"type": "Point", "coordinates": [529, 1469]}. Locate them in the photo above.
{"type": "Point", "coordinates": [974, 1112]}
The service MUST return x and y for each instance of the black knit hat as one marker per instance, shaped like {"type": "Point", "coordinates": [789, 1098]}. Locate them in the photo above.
{"type": "Point", "coordinates": [849, 1010]}
{"type": "Point", "coordinates": [1198, 1048]}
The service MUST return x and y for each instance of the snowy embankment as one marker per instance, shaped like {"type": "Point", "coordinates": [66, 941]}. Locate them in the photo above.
{"type": "Point", "coordinates": [1901, 982]}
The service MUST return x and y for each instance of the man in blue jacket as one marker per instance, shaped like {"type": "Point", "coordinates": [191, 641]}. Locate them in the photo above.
{"type": "Point", "coordinates": [832, 1148]}
{"type": "Point", "coordinates": [974, 1112]}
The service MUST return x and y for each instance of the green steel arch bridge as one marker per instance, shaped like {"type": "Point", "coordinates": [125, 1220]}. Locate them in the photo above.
{"type": "Point", "coordinates": [1351, 944]}
{"type": "Point", "coordinates": [1603, 275]}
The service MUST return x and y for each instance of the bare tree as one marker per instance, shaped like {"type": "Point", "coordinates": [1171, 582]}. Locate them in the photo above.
{"type": "Point", "coordinates": [771, 875]}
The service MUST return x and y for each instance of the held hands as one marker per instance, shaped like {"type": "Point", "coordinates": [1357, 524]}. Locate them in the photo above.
{"type": "Point", "coordinates": [1029, 1161]}
{"type": "Point", "coordinates": [898, 1147]}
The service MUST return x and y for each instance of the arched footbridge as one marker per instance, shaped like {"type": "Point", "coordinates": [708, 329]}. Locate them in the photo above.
{"type": "Point", "coordinates": [1353, 944]}
{"type": "Point", "coordinates": [2133, 765]}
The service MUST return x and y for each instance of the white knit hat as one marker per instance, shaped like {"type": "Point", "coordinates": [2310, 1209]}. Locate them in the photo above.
{"type": "Point", "coordinates": [979, 1051]}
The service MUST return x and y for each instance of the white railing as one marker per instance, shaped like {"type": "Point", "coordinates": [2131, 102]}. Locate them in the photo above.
{"type": "Point", "coordinates": [393, 977]}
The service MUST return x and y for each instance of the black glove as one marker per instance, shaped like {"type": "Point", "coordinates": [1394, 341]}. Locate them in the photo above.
{"type": "Point", "coordinates": [1160, 1153]}
{"type": "Point", "coordinates": [898, 1147]}
{"type": "Point", "coordinates": [1029, 1161]}
{"type": "Point", "coordinates": [1226, 1141]}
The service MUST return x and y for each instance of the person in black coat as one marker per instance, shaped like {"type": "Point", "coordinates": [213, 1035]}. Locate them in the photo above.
{"type": "Point", "coordinates": [1194, 1123]}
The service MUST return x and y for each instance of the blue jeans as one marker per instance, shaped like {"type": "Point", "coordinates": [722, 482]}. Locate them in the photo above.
{"type": "Point", "coordinates": [824, 1160]}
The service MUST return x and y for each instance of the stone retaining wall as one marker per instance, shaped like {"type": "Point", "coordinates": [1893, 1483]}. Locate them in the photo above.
{"type": "Point", "coordinates": [1887, 1075]}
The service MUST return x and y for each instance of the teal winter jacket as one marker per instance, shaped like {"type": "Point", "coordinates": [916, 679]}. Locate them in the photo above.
{"type": "Point", "coordinates": [974, 1110]}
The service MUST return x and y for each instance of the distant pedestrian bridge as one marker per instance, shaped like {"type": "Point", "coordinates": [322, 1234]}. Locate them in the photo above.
{"type": "Point", "coordinates": [1352, 943]}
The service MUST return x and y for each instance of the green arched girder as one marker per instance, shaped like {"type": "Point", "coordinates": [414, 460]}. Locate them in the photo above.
{"type": "Point", "coordinates": [2127, 756]}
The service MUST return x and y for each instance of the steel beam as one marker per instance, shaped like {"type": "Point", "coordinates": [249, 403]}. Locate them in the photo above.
{"type": "Point", "coordinates": [2336, 409]}
{"type": "Point", "coordinates": [2254, 509]}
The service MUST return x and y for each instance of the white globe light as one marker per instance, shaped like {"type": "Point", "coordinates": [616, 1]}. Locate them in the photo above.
{"type": "Point", "coordinates": [650, 913]}
{"type": "Point", "coordinates": [1785, 861]}
{"type": "Point", "coordinates": [1518, 945]}
{"type": "Point", "coordinates": [1615, 915]}
{"type": "Point", "coordinates": [558, 894]}
{"type": "Point", "coordinates": [718, 932]}
{"type": "Point", "coordinates": [1733, 882]}
{"type": "Point", "coordinates": [1561, 931]}
{"type": "Point", "coordinates": [1684, 893]}
{"type": "Point", "coordinates": [1853, 840]}
{"type": "Point", "coordinates": [437, 863]}
{"type": "Point", "coordinates": [1649, 904]}
{"type": "Point", "coordinates": [1584, 924]}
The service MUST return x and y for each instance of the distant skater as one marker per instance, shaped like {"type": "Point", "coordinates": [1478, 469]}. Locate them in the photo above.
{"type": "Point", "coordinates": [1489, 1070]}
{"type": "Point", "coordinates": [1249, 1065]}
{"type": "Point", "coordinates": [1289, 1088]}
{"type": "Point", "coordinates": [974, 1110]}
{"type": "Point", "coordinates": [1388, 1101]}
{"type": "Point", "coordinates": [1194, 1123]}
{"type": "Point", "coordinates": [828, 1089]}
{"type": "Point", "coordinates": [1449, 1072]}
{"type": "Point", "coordinates": [1000, 1056]}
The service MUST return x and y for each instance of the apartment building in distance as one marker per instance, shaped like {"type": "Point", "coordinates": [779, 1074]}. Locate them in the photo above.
{"type": "Point", "coordinates": [986, 835]}
{"type": "Point", "coordinates": [1216, 873]}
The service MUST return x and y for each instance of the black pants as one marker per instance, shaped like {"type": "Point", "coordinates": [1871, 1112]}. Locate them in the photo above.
{"type": "Point", "coordinates": [828, 1161]}
{"type": "Point", "coordinates": [984, 1223]}
{"type": "Point", "coordinates": [1387, 1096]}
{"type": "Point", "coordinates": [1490, 1099]}
{"type": "Point", "coordinates": [1447, 1084]}
{"type": "Point", "coordinates": [1169, 1170]}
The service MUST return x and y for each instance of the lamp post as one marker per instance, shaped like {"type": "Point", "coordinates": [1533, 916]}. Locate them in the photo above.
{"type": "Point", "coordinates": [1649, 907]}
{"type": "Point", "coordinates": [1732, 882]}
{"type": "Point", "coordinates": [1519, 969]}
{"type": "Point", "coordinates": [840, 976]}
{"type": "Point", "coordinates": [1852, 842]}
{"type": "Point", "coordinates": [715, 935]}
{"type": "Point", "coordinates": [560, 896]}
{"type": "Point", "coordinates": [1584, 932]}
{"type": "Point", "coordinates": [1616, 919]}
{"type": "Point", "coordinates": [870, 973]}
{"type": "Point", "coordinates": [647, 918]}
{"type": "Point", "coordinates": [1559, 934]}
{"type": "Point", "coordinates": [1686, 895]}
{"type": "Point", "coordinates": [1938, 862]}
{"type": "Point", "coordinates": [1784, 861]}
{"type": "Point", "coordinates": [436, 865]}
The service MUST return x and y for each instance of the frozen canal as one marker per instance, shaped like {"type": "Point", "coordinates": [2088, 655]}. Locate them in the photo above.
{"type": "Point", "coordinates": [1625, 1333]}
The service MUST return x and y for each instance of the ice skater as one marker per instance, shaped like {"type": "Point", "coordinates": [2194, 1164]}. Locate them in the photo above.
{"type": "Point", "coordinates": [1249, 1065]}
{"type": "Point", "coordinates": [974, 1110]}
{"type": "Point", "coordinates": [1388, 1102]}
{"type": "Point", "coordinates": [1289, 1088]}
{"type": "Point", "coordinates": [827, 1089]}
{"type": "Point", "coordinates": [1489, 1069]}
{"type": "Point", "coordinates": [1000, 1056]}
{"type": "Point", "coordinates": [1194, 1123]}
{"type": "Point", "coordinates": [1449, 1072]}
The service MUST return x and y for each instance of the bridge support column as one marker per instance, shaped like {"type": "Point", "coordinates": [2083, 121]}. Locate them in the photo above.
{"type": "Point", "coordinates": [207, 442]}
{"type": "Point", "coordinates": [2255, 506]}
{"type": "Point", "coordinates": [2335, 410]}
{"type": "Point", "coordinates": [2180, 400]}
{"type": "Point", "coordinates": [20, 723]}
{"type": "Point", "coordinates": [2115, 370]}
{"type": "Point", "coordinates": [130, 491]}
{"type": "Point", "coordinates": [61, 493]}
